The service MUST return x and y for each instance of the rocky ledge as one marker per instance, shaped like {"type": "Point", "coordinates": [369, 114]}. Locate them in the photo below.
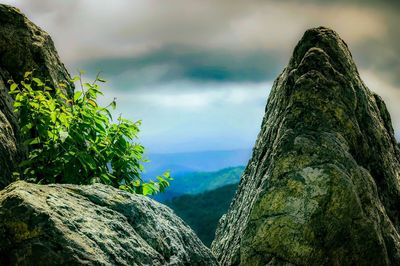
{"type": "Point", "coordinates": [92, 225]}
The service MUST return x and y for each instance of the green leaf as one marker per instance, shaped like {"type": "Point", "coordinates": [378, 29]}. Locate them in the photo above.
{"type": "Point", "coordinates": [148, 189]}
{"type": "Point", "coordinates": [34, 105]}
{"type": "Point", "coordinates": [75, 79]}
{"type": "Point", "coordinates": [77, 95]}
{"type": "Point", "coordinates": [13, 87]}
{"type": "Point", "coordinates": [91, 102]}
{"type": "Point", "coordinates": [87, 160]}
{"type": "Point", "coordinates": [105, 177]}
{"type": "Point", "coordinates": [113, 105]}
{"type": "Point", "coordinates": [167, 175]}
{"type": "Point", "coordinates": [27, 86]}
{"type": "Point", "coordinates": [27, 74]}
{"type": "Point", "coordinates": [38, 82]}
{"type": "Point", "coordinates": [25, 129]}
{"type": "Point", "coordinates": [53, 116]}
{"type": "Point", "coordinates": [87, 85]}
{"type": "Point", "coordinates": [32, 141]}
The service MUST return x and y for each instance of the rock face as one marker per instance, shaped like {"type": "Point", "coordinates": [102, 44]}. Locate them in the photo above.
{"type": "Point", "coordinates": [92, 225]}
{"type": "Point", "coordinates": [23, 47]}
{"type": "Point", "coordinates": [322, 187]}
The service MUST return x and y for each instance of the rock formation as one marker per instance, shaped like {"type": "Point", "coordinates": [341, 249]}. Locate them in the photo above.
{"type": "Point", "coordinates": [92, 225]}
{"type": "Point", "coordinates": [322, 187]}
{"type": "Point", "coordinates": [23, 47]}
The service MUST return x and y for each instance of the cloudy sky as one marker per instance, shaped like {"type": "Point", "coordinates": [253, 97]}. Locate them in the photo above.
{"type": "Point", "coordinates": [198, 73]}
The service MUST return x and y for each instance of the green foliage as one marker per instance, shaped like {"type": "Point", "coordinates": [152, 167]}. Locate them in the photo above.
{"type": "Point", "coordinates": [203, 211]}
{"type": "Point", "coordinates": [76, 140]}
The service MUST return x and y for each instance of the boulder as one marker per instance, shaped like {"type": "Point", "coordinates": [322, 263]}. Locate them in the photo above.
{"type": "Point", "coordinates": [322, 187]}
{"type": "Point", "coordinates": [92, 225]}
{"type": "Point", "coordinates": [23, 47]}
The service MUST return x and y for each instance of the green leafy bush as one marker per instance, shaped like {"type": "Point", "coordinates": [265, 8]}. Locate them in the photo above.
{"type": "Point", "coordinates": [76, 141]}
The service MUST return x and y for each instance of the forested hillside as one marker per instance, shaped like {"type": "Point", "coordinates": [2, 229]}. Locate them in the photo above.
{"type": "Point", "coordinates": [198, 182]}
{"type": "Point", "coordinates": [203, 211]}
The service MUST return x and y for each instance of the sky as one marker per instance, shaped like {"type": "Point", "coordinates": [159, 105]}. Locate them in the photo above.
{"type": "Point", "coordinates": [198, 73]}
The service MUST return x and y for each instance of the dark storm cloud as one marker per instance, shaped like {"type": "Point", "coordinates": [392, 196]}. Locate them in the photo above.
{"type": "Point", "coordinates": [381, 54]}
{"type": "Point", "coordinates": [96, 29]}
{"type": "Point", "coordinates": [226, 40]}
{"type": "Point", "coordinates": [187, 63]}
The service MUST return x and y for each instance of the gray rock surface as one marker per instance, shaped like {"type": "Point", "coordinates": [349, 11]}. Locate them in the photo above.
{"type": "Point", "coordinates": [23, 47]}
{"type": "Point", "coordinates": [322, 187]}
{"type": "Point", "coordinates": [92, 225]}
{"type": "Point", "coordinates": [26, 47]}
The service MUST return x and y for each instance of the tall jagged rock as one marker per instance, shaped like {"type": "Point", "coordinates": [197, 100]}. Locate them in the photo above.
{"type": "Point", "coordinates": [92, 225]}
{"type": "Point", "coordinates": [23, 47]}
{"type": "Point", "coordinates": [322, 187]}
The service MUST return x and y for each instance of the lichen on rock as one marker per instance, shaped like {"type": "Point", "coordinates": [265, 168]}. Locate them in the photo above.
{"type": "Point", "coordinates": [92, 225]}
{"type": "Point", "coordinates": [322, 187]}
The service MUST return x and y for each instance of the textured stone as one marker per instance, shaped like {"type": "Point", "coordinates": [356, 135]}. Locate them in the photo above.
{"type": "Point", "coordinates": [322, 187]}
{"type": "Point", "coordinates": [23, 47]}
{"type": "Point", "coordinates": [92, 225]}
{"type": "Point", "coordinates": [26, 47]}
{"type": "Point", "coordinates": [9, 155]}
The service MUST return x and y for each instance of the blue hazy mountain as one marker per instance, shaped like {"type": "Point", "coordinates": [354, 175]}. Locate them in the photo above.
{"type": "Point", "coordinates": [190, 183]}
{"type": "Point", "coordinates": [188, 162]}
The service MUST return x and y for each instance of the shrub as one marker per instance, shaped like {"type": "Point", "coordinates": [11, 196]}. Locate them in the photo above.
{"type": "Point", "coordinates": [76, 141]}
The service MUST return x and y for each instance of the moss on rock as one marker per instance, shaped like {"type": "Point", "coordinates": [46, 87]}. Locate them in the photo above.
{"type": "Point", "coordinates": [322, 187]}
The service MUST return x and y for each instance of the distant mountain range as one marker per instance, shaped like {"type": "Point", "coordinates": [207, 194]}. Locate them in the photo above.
{"type": "Point", "coordinates": [198, 182]}
{"type": "Point", "coordinates": [203, 211]}
{"type": "Point", "coordinates": [204, 161]}
{"type": "Point", "coordinates": [203, 186]}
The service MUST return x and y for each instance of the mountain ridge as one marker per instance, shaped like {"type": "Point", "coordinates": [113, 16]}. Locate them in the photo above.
{"type": "Point", "coordinates": [204, 161]}
{"type": "Point", "coordinates": [199, 182]}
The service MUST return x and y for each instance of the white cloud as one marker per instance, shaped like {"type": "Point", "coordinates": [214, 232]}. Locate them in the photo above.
{"type": "Point", "coordinates": [199, 117]}
{"type": "Point", "coordinates": [186, 95]}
